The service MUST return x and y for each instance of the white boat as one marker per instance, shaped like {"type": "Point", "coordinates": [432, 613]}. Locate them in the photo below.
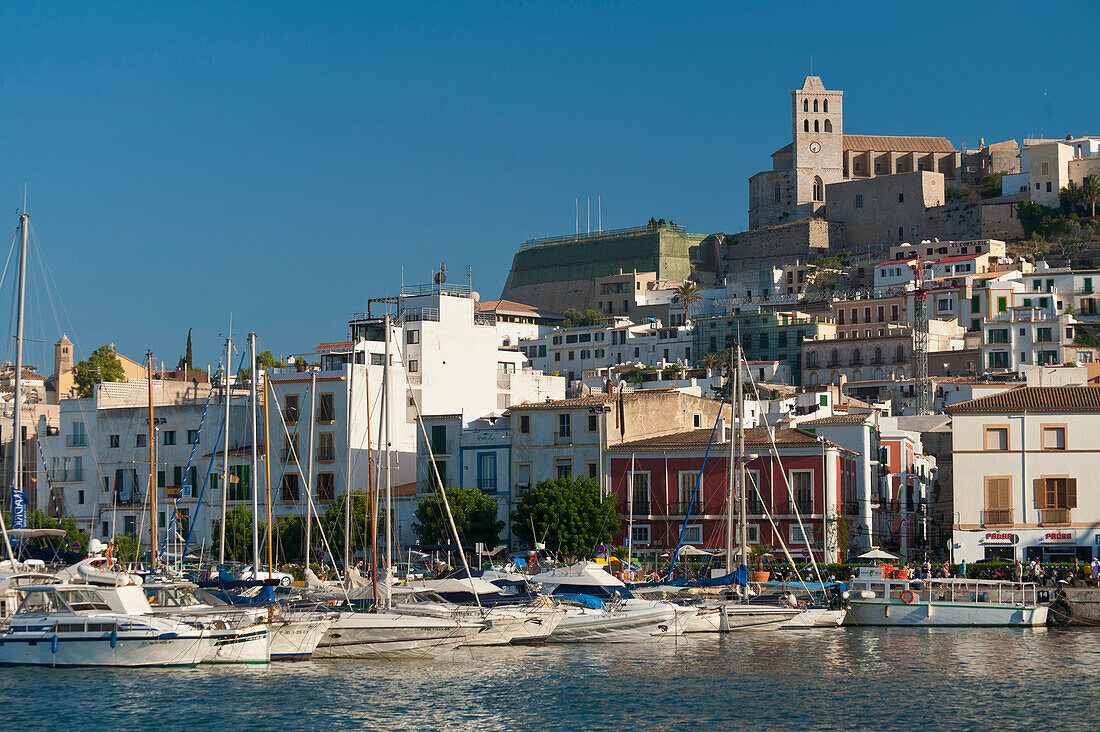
{"type": "Point", "coordinates": [613, 622]}
{"type": "Point", "coordinates": [235, 633]}
{"type": "Point", "coordinates": [879, 600]}
{"type": "Point", "coordinates": [388, 636]}
{"type": "Point", "coordinates": [296, 634]}
{"type": "Point", "coordinates": [73, 625]}
{"type": "Point", "coordinates": [817, 617]}
{"type": "Point", "coordinates": [519, 623]}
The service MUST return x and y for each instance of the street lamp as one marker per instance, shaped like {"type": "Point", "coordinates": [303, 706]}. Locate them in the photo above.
{"type": "Point", "coordinates": [600, 410]}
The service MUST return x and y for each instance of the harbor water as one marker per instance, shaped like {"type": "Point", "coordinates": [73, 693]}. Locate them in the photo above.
{"type": "Point", "coordinates": [845, 678]}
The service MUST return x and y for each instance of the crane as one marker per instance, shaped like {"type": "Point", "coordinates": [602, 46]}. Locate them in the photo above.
{"type": "Point", "coordinates": [920, 341]}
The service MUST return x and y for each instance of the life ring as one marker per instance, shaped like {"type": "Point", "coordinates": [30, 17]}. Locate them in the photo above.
{"type": "Point", "coordinates": [908, 597]}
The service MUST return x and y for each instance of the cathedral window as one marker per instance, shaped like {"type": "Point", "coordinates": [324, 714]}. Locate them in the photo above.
{"type": "Point", "coordinates": [806, 128]}
{"type": "Point", "coordinates": [805, 105]}
{"type": "Point", "coordinates": [825, 106]}
{"type": "Point", "coordinates": [816, 126]}
{"type": "Point", "coordinates": [819, 189]}
{"type": "Point", "coordinates": [828, 126]}
{"type": "Point", "coordinates": [775, 193]}
{"type": "Point", "coordinates": [815, 105]}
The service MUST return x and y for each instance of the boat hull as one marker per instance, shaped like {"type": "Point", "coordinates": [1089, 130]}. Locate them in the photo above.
{"type": "Point", "coordinates": [816, 617]}
{"type": "Point", "coordinates": [247, 644]}
{"type": "Point", "coordinates": [865, 612]}
{"type": "Point", "coordinates": [388, 636]}
{"type": "Point", "coordinates": [296, 640]}
{"type": "Point", "coordinates": [755, 618]}
{"type": "Point", "coordinates": [98, 650]}
{"type": "Point", "coordinates": [615, 626]}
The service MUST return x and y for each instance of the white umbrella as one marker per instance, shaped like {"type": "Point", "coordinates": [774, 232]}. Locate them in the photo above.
{"type": "Point", "coordinates": [876, 554]}
{"type": "Point", "coordinates": [689, 551]}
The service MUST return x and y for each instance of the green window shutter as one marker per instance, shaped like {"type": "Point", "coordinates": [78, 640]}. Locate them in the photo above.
{"type": "Point", "coordinates": [177, 474]}
{"type": "Point", "coordinates": [1002, 304]}
{"type": "Point", "coordinates": [160, 479]}
{"type": "Point", "coordinates": [975, 303]}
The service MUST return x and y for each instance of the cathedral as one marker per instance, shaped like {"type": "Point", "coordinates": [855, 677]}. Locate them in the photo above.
{"type": "Point", "coordinates": [820, 154]}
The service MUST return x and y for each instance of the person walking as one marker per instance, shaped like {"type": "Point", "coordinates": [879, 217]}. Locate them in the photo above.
{"type": "Point", "coordinates": [1019, 570]}
{"type": "Point", "coordinates": [1095, 571]}
{"type": "Point", "coordinates": [962, 569]}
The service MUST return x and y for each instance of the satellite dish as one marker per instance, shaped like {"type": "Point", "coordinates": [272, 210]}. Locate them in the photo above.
{"type": "Point", "coordinates": [440, 276]}
{"type": "Point", "coordinates": [476, 296]}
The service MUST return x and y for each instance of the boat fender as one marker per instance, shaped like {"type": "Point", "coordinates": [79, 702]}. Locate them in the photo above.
{"type": "Point", "coordinates": [53, 644]}
{"type": "Point", "coordinates": [866, 595]}
{"type": "Point", "coordinates": [114, 638]}
{"type": "Point", "coordinates": [846, 595]}
{"type": "Point", "coordinates": [908, 597]}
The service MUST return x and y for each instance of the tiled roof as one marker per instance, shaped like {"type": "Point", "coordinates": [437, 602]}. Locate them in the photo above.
{"type": "Point", "coordinates": [837, 419]}
{"type": "Point", "coordinates": [960, 258]}
{"type": "Point", "coordinates": [1034, 399]}
{"type": "Point", "coordinates": [756, 437]}
{"type": "Point", "coordinates": [511, 306]}
{"type": "Point", "coordinates": [331, 346]}
{"type": "Point", "coordinates": [897, 143]}
{"type": "Point", "coordinates": [592, 400]}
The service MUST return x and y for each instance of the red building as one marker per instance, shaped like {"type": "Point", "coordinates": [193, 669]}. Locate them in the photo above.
{"type": "Point", "coordinates": [811, 474]}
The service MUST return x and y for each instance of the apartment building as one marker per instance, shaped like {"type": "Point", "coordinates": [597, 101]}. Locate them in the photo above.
{"type": "Point", "coordinates": [1025, 478]}
{"type": "Point", "coordinates": [1026, 335]}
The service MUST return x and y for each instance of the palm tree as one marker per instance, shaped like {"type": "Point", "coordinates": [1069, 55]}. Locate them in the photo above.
{"type": "Point", "coordinates": [1090, 192]}
{"type": "Point", "coordinates": [689, 297]}
{"type": "Point", "coordinates": [711, 361]}
{"type": "Point", "coordinates": [1071, 195]}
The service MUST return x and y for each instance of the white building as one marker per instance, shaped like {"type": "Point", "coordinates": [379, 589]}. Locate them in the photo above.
{"type": "Point", "coordinates": [1025, 336]}
{"type": "Point", "coordinates": [1025, 478]}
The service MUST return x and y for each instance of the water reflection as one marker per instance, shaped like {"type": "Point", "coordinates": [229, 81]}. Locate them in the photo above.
{"type": "Point", "coordinates": [828, 679]}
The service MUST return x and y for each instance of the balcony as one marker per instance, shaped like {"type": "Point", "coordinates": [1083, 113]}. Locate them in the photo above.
{"type": "Point", "coordinates": [998, 517]}
{"type": "Point", "coordinates": [76, 440]}
{"type": "Point", "coordinates": [681, 509]}
{"type": "Point", "coordinates": [1054, 516]}
{"type": "Point", "coordinates": [67, 476]}
{"type": "Point", "coordinates": [640, 508]}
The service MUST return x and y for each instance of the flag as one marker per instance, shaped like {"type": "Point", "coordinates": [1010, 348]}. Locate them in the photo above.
{"type": "Point", "coordinates": [18, 511]}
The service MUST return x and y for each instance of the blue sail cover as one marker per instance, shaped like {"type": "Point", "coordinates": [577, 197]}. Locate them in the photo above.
{"type": "Point", "coordinates": [739, 576]}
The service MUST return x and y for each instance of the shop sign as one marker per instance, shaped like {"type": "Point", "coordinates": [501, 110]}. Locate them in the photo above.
{"type": "Point", "coordinates": [1001, 537]}
{"type": "Point", "coordinates": [1059, 537]}
{"type": "Point", "coordinates": [1098, 538]}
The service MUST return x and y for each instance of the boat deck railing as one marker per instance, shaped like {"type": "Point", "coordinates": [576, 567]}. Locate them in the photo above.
{"type": "Point", "coordinates": [953, 590]}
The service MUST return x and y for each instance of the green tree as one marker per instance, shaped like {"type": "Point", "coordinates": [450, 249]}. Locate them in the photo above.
{"type": "Point", "coordinates": [289, 538]}
{"type": "Point", "coordinates": [238, 534]}
{"type": "Point", "coordinates": [185, 361]}
{"type": "Point", "coordinates": [475, 517]}
{"type": "Point", "coordinates": [266, 360]}
{"type": "Point", "coordinates": [990, 187]}
{"type": "Point", "coordinates": [568, 516]}
{"type": "Point", "coordinates": [125, 547]}
{"type": "Point", "coordinates": [689, 297]}
{"type": "Point", "coordinates": [575, 318]}
{"type": "Point", "coordinates": [333, 524]}
{"type": "Point", "coordinates": [1070, 197]}
{"type": "Point", "coordinates": [102, 365]}
{"type": "Point", "coordinates": [1090, 192]}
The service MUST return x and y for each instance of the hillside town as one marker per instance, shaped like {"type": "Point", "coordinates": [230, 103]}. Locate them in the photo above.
{"type": "Point", "coordinates": [914, 327]}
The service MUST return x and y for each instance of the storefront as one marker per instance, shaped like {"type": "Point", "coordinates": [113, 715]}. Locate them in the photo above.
{"type": "Point", "coordinates": [1045, 545]}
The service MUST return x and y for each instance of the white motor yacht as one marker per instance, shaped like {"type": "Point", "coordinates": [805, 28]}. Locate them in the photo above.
{"type": "Point", "coordinates": [74, 625]}
{"type": "Point", "coordinates": [389, 635]}
{"type": "Point", "coordinates": [236, 633]}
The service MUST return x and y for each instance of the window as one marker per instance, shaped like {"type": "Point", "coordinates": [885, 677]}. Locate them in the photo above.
{"type": "Point", "coordinates": [828, 125]}
{"type": "Point", "coordinates": [523, 479]}
{"type": "Point", "coordinates": [289, 490]}
{"type": "Point", "coordinates": [563, 467]}
{"type": "Point", "coordinates": [571, 354]}
{"type": "Point", "coordinates": [487, 472]}
{"type": "Point", "coordinates": [1002, 304]}
{"type": "Point", "coordinates": [752, 534]}
{"type": "Point", "coordinates": [326, 409]}
{"type": "Point", "coordinates": [1054, 437]}
{"type": "Point", "coordinates": [377, 359]}
{"type": "Point", "coordinates": [815, 105]}
{"type": "Point", "coordinates": [114, 441]}
{"type": "Point", "coordinates": [80, 497]}
{"type": "Point", "coordinates": [802, 482]}
{"type": "Point", "coordinates": [525, 424]}
{"type": "Point", "coordinates": [775, 193]}
{"type": "Point", "coordinates": [798, 537]}
{"type": "Point", "coordinates": [817, 126]}
{"type": "Point", "coordinates": [805, 125]}
{"type": "Point", "coordinates": [290, 408]}
{"type": "Point", "coordinates": [805, 105]}
{"type": "Point", "coordinates": [557, 355]}
{"type": "Point", "coordinates": [819, 189]}
{"type": "Point", "coordinates": [439, 439]}
{"type": "Point", "coordinates": [1053, 493]}
{"type": "Point", "coordinates": [240, 486]}
{"type": "Point", "coordinates": [192, 437]}
{"type": "Point", "coordinates": [825, 106]}
{"type": "Point", "coordinates": [414, 366]}
{"type": "Point", "coordinates": [901, 199]}
{"type": "Point", "coordinates": [326, 447]}
{"type": "Point", "coordinates": [593, 469]}
{"type": "Point", "coordinates": [996, 438]}
{"type": "Point", "coordinates": [593, 425]}
{"type": "Point", "coordinates": [169, 437]}
{"type": "Point", "coordinates": [639, 493]}
{"type": "Point", "coordinates": [412, 337]}
{"type": "Point", "coordinates": [290, 449]}
{"type": "Point", "coordinates": [639, 535]}
{"type": "Point", "coordinates": [693, 534]}
{"type": "Point", "coordinates": [687, 480]}
{"type": "Point", "coordinates": [326, 486]}
{"type": "Point", "coordinates": [564, 425]}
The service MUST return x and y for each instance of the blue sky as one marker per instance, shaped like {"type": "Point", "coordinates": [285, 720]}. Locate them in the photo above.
{"type": "Point", "coordinates": [283, 161]}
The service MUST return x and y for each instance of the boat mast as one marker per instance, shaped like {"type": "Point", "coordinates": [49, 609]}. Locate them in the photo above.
{"type": "Point", "coordinates": [386, 424]}
{"type": "Point", "coordinates": [742, 486]}
{"type": "Point", "coordinates": [17, 416]}
{"type": "Point", "coordinates": [225, 454]}
{"type": "Point", "coordinates": [152, 470]}
{"type": "Point", "coordinates": [309, 464]}
{"type": "Point", "coordinates": [372, 504]}
{"type": "Point", "coordinates": [734, 375]}
{"type": "Point", "coordinates": [267, 481]}
{"type": "Point", "coordinates": [252, 470]}
{"type": "Point", "coordinates": [349, 482]}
